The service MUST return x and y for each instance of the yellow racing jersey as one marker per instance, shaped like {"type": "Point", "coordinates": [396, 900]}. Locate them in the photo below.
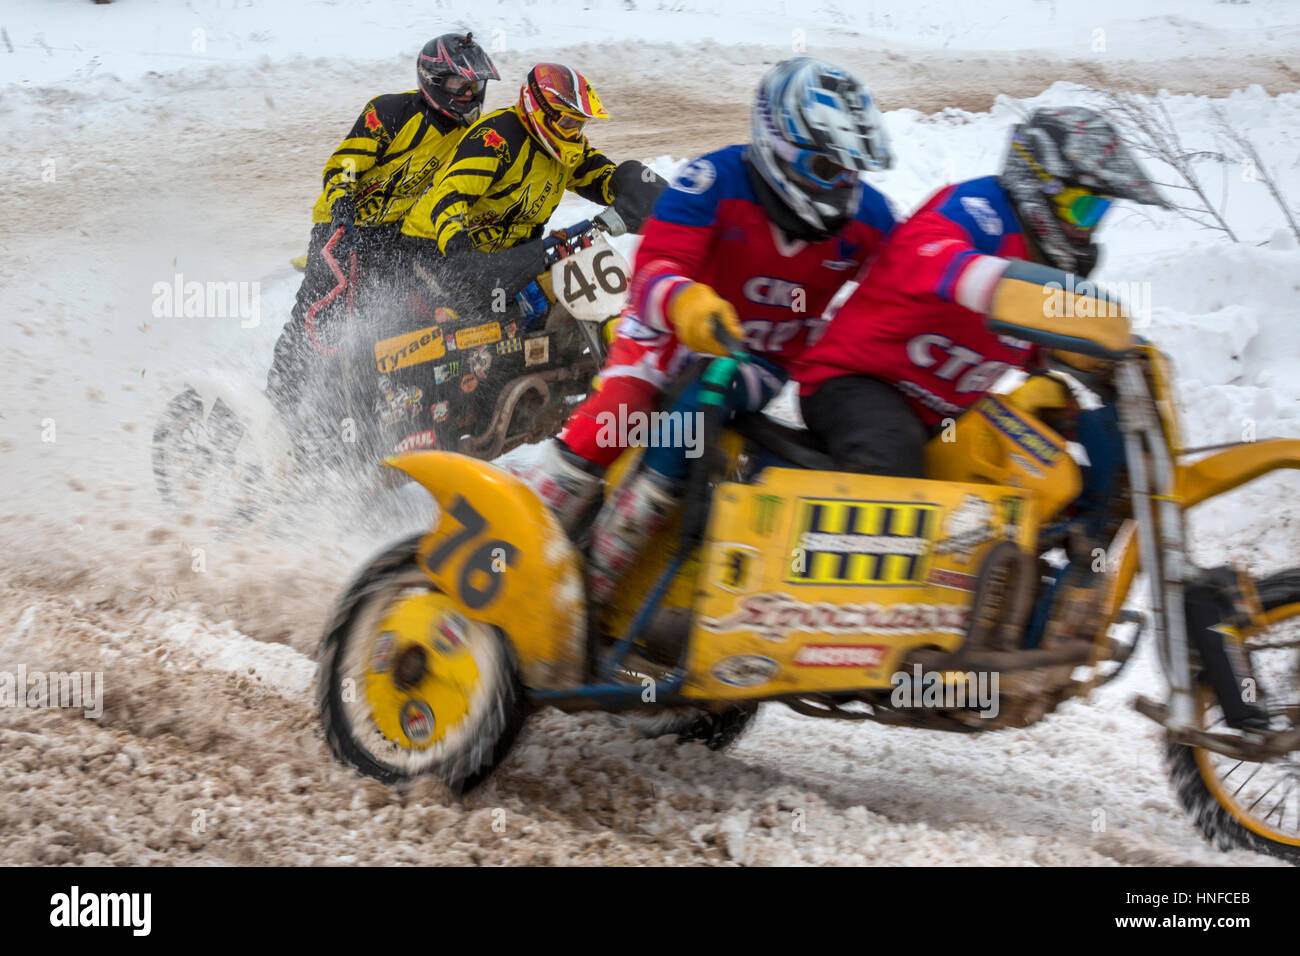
{"type": "Point", "coordinates": [502, 186]}
{"type": "Point", "coordinates": [388, 159]}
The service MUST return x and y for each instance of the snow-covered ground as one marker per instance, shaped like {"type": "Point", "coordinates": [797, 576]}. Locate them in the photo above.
{"type": "Point", "coordinates": [139, 157]}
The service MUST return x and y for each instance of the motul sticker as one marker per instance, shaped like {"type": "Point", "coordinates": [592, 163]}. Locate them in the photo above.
{"type": "Point", "coordinates": [955, 580]}
{"type": "Point", "coordinates": [416, 442]}
{"type": "Point", "coordinates": [840, 655]}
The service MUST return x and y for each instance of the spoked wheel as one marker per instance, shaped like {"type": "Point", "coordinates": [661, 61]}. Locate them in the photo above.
{"type": "Point", "coordinates": [1240, 803]}
{"type": "Point", "coordinates": [202, 460]}
{"type": "Point", "coordinates": [409, 686]}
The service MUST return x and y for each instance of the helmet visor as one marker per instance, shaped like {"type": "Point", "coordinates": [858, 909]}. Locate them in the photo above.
{"type": "Point", "coordinates": [817, 172]}
{"type": "Point", "coordinates": [1080, 207]}
{"type": "Point", "coordinates": [569, 125]}
{"type": "Point", "coordinates": [461, 88]}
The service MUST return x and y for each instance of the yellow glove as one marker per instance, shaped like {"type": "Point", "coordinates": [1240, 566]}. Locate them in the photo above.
{"type": "Point", "coordinates": [694, 311]}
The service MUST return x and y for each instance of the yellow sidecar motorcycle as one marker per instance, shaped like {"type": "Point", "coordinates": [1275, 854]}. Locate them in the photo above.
{"type": "Point", "coordinates": [978, 599]}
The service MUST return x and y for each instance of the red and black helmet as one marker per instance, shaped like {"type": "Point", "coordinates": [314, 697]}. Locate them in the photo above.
{"type": "Point", "coordinates": [453, 72]}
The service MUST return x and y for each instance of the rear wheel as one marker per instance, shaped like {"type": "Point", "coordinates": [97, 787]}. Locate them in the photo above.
{"type": "Point", "coordinates": [409, 686]}
{"type": "Point", "coordinates": [1242, 803]}
{"type": "Point", "coordinates": [203, 460]}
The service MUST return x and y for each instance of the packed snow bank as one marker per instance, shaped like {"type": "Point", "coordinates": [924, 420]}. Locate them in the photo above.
{"type": "Point", "coordinates": [78, 43]}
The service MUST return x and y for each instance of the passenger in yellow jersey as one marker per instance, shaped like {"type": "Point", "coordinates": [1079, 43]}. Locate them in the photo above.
{"type": "Point", "coordinates": [487, 209]}
{"type": "Point", "coordinates": [392, 153]}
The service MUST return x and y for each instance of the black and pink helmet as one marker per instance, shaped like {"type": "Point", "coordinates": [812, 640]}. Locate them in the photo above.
{"type": "Point", "coordinates": [453, 72]}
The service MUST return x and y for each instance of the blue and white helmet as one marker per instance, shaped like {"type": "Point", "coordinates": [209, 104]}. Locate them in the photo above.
{"type": "Point", "coordinates": [815, 128]}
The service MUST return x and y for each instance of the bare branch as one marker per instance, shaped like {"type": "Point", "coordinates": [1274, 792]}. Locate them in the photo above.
{"type": "Point", "coordinates": [1251, 155]}
{"type": "Point", "coordinates": [1146, 126]}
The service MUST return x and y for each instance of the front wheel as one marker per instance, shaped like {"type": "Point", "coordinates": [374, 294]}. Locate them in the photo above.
{"type": "Point", "coordinates": [1242, 803]}
{"type": "Point", "coordinates": [409, 686]}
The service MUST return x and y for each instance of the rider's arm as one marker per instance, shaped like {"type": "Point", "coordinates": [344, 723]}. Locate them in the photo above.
{"type": "Point", "coordinates": [359, 151]}
{"type": "Point", "coordinates": [1016, 295]}
{"type": "Point", "coordinates": [591, 178]}
{"type": "Point", "coordinates": [481, 159]}
{"type": "Point", "coordinates": [674, 248]}
{"type": "Point", "coordinates": [943, 260]}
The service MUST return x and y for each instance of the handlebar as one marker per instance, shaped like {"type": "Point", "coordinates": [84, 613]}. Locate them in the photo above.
{"type": "Point", "coordinates": [734, 346]}
{"type": "Point", "coordinates": [571, 238]}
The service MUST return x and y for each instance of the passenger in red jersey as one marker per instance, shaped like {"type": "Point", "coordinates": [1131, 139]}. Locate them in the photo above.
{"type": "Point", "coordinates": [909, 348]}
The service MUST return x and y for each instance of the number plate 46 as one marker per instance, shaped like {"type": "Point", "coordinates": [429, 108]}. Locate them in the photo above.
{"type": "Point", "coordinates": [592, 282]}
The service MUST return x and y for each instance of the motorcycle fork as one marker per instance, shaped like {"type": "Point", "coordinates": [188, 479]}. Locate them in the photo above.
{"type": "Point", "coordinates": [591, 333]}
{"type": "Point", "coordinates": [1161, 545]}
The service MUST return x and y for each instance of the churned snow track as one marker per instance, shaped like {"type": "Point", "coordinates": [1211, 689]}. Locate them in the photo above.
{"type": "Point", "coordinates": [207, 755]}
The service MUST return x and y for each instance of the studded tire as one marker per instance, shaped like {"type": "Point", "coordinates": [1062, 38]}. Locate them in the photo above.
{"type": "Point", "coordinates": [491, 726]}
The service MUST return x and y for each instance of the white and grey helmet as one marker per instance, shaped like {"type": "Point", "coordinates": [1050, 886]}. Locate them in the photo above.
{"type": "Point", "coordinates": [814, 129]}
{"type": "Point", "coordinates": [1063, 167]}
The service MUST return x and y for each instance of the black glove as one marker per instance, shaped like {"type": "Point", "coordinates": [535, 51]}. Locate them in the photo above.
{"type": "Point", "coordinates": [636, 187]}
{"type": "Point", "coordinates": [477, 273]}
{"type": "Point", "coordinates": [343, 212]}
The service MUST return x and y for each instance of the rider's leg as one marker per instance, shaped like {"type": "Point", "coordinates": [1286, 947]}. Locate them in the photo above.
{"type": "Point", "coordinates": [566, 481]}
{"type": "Point", "coordinates": [867, 427]}
{"type": "Point", "coordinates": [1208, 603]}
{"type": "Point", "coordinates": [640, 507]}
{"type": "Point", "coordinates": [293, 350]}
{"type": "Point", "coordinates": [569, 474]}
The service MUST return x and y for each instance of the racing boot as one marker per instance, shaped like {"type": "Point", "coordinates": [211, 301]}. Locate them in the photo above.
{"type": "Point", "coordinates": [567, 483]}
{"type": "Point", "coordinates": [635, 513]}
{"type": "Point", "coordinates": [1212, 602]}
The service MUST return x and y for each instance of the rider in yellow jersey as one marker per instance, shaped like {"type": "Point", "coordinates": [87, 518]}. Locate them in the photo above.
{"type": "Point", "coordinates": [389, 157]}
{"type": "Point", "coordinates": [487, 209]}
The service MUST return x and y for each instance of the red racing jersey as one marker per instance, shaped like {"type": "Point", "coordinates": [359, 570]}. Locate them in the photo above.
{"type": "Point", "coordinates": [917, 319]}
{"type": "Point", "coordinates": [710, 227]}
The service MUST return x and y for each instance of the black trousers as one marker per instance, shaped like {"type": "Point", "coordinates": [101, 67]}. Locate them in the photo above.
{"type": "Point", "coordinates": [294, 357]}
{"type": "Point", "coordinates": [867, 427]}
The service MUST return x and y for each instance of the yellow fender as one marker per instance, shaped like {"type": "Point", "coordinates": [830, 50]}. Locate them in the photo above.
{"type": "Point", "coordinates": [1232, 467]}
{"type": "Point", "coordinates": [500, 556]}
{"type": "Point", "coordinates": [1197, 482]}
